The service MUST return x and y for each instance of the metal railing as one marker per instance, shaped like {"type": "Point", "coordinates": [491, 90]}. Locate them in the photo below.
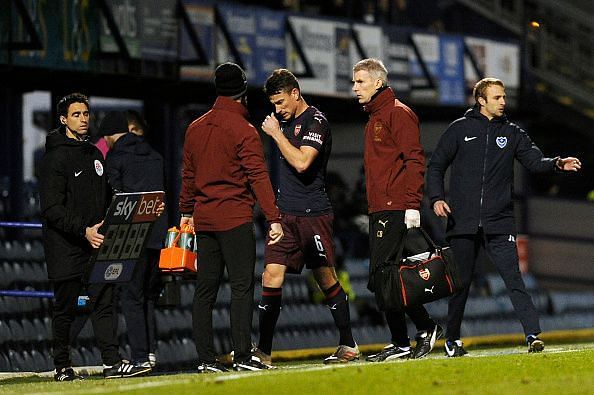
{"type": "Point", "coordinates": [559, 46]}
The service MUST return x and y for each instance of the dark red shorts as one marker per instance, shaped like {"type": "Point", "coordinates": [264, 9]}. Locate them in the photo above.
{"type": "Point", "coordinates": [308, 241]}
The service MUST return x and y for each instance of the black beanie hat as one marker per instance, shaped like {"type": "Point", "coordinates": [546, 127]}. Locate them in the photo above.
{"type": "Point", "coordinates": [230, 80]}
{"type": "Point", "coordinates": [113, 122]}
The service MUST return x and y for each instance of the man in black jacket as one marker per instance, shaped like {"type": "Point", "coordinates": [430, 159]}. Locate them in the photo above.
{"type": "Point", "coordinates": [74, 195]}
{"type": "Point", "coordinates": [132, 165]}
{"type": "Point", "coordinates": [480, 148]}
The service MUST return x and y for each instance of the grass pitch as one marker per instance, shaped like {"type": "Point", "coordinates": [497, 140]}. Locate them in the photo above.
{"type": "Point", "coordinates": [561, 369]}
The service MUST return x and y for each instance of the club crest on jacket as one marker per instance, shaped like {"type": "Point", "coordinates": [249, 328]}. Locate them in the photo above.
{"type": "Point", "coordinates": [501, 141]}
{"type": "Point", "coordinates": [377, 129]}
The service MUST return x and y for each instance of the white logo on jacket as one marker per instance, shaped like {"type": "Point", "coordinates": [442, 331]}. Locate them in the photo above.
{"type": "Point", "coordinates": [466, 138]}
{"type": "Point", "coordinates": [501, 141]}
{"type": "Point", "coordinates": [98, 168]}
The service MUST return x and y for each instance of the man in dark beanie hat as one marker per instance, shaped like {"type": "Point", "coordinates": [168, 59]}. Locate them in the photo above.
{"type": "Point", "coordinates": [230, 80]}
{"type": "Point", "coordinates": [224, 173]}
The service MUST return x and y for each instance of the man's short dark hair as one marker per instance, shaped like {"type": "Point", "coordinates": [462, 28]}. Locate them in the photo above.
{"type": "Point", "coordinates": [281, 80]}
{"type": "Point", "coordinates": [66, 101]}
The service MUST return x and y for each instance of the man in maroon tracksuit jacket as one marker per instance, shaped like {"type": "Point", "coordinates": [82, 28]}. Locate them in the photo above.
{"type": "Point", "coordinates": [394, 169]}
{"type": "Point", "coordinates": [223, 168]}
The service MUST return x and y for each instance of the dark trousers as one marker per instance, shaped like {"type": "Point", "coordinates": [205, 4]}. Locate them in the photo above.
{"type": "Point", "coordinates": [386, 233]}
{"type": "Point", "coordinates": [138, 304]}
{"type": "Point", "coordinates": [66, 295]}
{"type": "Point", "coordinates": [502, 251]}
{"type": "Point", "coordinates": [234, 249]}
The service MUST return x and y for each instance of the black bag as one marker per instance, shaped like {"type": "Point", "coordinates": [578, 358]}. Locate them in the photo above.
{"type": "Point", "coordinates": [400, 283]}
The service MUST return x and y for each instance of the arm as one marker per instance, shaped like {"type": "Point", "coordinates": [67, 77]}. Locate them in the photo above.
{"type": "Point", "coordinates": [113, 169]}
{"type": "Point", "coordinates": [530, 156]}
{"type": "Point", "coordinates": [440, 161]}
{"type": "Point", "coordinates": [187, 193]}
{"type": "Point", "coordinates": [300, 158]}
{"type": "Point", "coordinates": [53, 188]}
{"type": "Point", "coordinates": [251, 156]}
{"type": "Point", "coordinates": [405, 130]}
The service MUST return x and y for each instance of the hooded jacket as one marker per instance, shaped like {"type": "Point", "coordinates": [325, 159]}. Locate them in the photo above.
{"type": "Point", "coordinates": [394, 159]}
{"type": "Point", "coordinates": [224, 170]}
{"type": "Point", "coordinates": [132, 165]}
{"type": "Point", "coordinates": [74, 194]}
{"type": "Point", "coordinates": [481, 155]}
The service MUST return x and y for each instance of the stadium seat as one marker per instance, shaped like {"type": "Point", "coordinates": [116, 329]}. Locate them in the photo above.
{"type": "Point", "coordinates": [17, 361]}
{"type": "Point", "coordinates": [29, 332]}
{"type": "Point", "coordinates": [16, 330]}
{"type": "Point", "coordinates": [40, 363]}
{"type": "Point", "coordinates": [5, 334]}
{"type": "Point", "coordinates": [5, 365]}
{"type": "Point", "coordinates": [40, 329]}
{"type": "Point", "coordinates": [568, 302]}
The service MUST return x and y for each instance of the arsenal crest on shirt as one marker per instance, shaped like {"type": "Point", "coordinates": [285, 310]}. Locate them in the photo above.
{"type": "Point", "coordinates": [297, 129]}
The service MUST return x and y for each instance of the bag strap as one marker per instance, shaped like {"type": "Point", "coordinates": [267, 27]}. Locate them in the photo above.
{"type": "Point", "coordinates": [395, 254]}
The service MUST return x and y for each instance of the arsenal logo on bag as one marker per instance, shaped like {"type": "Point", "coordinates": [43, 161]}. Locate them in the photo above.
{"type": "Point", "coordinates": [425, 274]}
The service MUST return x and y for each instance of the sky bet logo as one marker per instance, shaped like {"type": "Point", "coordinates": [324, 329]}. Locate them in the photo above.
{"type": "Point", "coordinates": [143, 208]}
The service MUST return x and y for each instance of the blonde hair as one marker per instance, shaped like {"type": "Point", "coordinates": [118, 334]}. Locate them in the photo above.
{"type": "Point", "coordinates": [374, 67]}
{"type": "Point", "coordinates": [480, 88]}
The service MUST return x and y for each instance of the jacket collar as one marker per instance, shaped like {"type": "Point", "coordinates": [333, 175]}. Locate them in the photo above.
{"type": "Point", "coordinates": [227, 104]}
{"type": "Point", "coordinates": [381, 98]}
{"type": "Point", "coordinates": [474, 112]}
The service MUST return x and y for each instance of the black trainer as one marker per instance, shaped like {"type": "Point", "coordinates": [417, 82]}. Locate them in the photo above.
{"type": "Point", "coordinates": [126, 369]}
{"type": "Point", "coordinates": [252, 363]}
{"type": "Point", "coordinates": [534, 344]}
{"type": "Point", "coordinates": [66, 374]}
{"type": "Point", "coordinates": [389, 352]}
{"type": "Point", "coordinates": [454, 349]}
{"type": "Point", "coordinates": [426, 341]}
{"type": "Point", "coordinates": [215, 367]}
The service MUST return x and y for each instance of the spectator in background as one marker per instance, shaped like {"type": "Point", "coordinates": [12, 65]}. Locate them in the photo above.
{"type": "Point", "coordinates": [132, 165]}
{"type": "Point", "coordinates": [223, 168]}
{"type": "Point", "coordinates": [394, 168]}
{"type": "Point", "coordinates": [304, 140]}
{"type": "Point", "coordinates": [74, 196]}
{"type": "Point", "coordinates": [480, 148]}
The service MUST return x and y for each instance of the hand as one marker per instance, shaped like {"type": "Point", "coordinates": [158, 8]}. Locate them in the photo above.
{"type": "Point", "coordinates": [270, 126]}
{"type": "Point", "coordinates": [160, 209]}
{"type": "Point", "coordinates": [186, 221]}
{"type": "Point", "coordinates": [93, 236]}
{"type": "Point", "coordinates": [441, 208]}
{"type": "Point", "coordinates": [276, 233]}
{"type": "Point", "coordinates": [412, 218]}
{"type": "Point", "coordinates": [569, 164]}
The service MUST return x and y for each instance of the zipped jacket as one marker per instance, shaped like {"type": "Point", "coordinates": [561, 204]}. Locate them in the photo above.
{"type": "Point", "coordinates": [224, 170]}
{"type": "Point", "coordinates": [393, 156]}
{"type": "Point", "coordinates": [132, 165]}
{"type": "Point", "coordinates": [74, 194]}
{"type": "Point", "coordinates": [481, 155]}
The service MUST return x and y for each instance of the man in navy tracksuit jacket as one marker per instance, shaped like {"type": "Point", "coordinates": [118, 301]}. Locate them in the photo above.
{"type": "Point", "coordinates": [480, 149]}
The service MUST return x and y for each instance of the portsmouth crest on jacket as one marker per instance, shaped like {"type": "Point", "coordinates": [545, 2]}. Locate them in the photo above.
{"type": "Point", "coordinates": [501, 142]}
